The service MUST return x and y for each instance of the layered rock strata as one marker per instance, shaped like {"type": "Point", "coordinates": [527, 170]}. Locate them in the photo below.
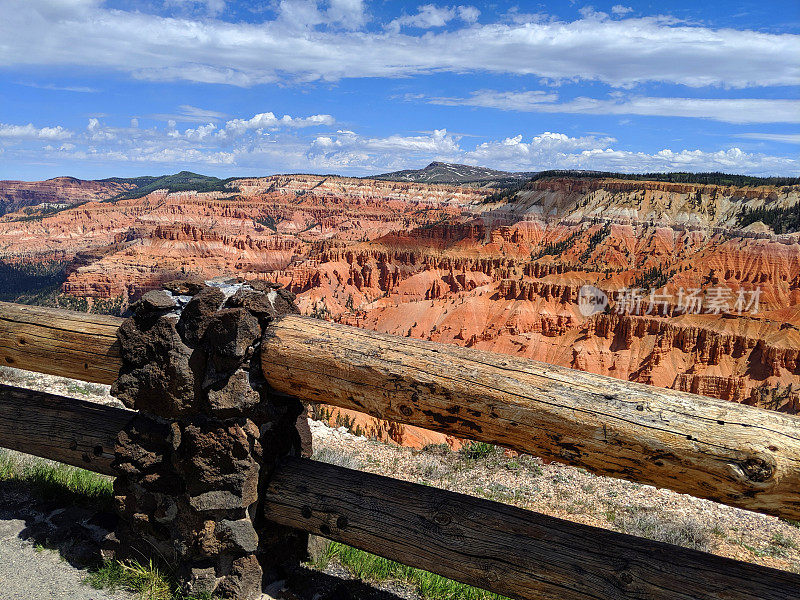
{"type": "Point", "coordinates": [206, 439]}
{"type": "Point", "coordinates": [458, 265]}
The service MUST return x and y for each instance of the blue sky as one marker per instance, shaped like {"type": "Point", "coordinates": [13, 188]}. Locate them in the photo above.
{"type": "Point", "coordinates": [95, 88]}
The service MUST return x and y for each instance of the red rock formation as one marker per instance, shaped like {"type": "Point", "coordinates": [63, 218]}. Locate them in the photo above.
{"type": "Point", "coordinates": [436, 262]}
{"type": "Point", "coordinates": [60, 190]}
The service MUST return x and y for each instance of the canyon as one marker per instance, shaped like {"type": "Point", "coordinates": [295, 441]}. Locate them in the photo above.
{"type": "Point", "coordinates": [696, 300]}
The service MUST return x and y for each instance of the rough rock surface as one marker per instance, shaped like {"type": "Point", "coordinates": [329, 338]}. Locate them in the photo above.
{"type": "Point", "coordinates": [207, 436]}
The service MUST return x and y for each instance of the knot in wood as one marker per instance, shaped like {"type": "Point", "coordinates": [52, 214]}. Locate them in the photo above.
{"type": "Point", "coordinates": [757, 469]}
{"type": "Point", "coordinates": [625, 578]}
{"type": "Point", "coordinates": [442, 519]}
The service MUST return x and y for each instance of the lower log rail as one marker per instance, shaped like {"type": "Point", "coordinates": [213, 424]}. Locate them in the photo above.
{"type": "Point", "coordinates": [75, 432]}
{"type": "Point", "coordinates": [501, 548]}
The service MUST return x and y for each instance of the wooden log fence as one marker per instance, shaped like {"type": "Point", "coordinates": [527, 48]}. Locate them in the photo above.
{"type": "Point", "coordinates": [715, 449]}
{"type": "Point", "coordinates": [500, 548]}
{"type": "Point", "coordinates": [736, 454]}
{"type": "Point", "coordinates": [724, 451]}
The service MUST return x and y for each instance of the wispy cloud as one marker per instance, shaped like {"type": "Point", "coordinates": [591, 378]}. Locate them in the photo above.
{"type": "Point", "coordinates": [785, 138]}
{"type": "Point", "coordinates": [187, 113]}
{"type": "Point", "coordinates": [729, 110]}
{"type": "Point", "coordinates": [274, 143]}
{"type": "Point", "coordinates": [307, 46]}
{"type": "Point", "coordinates": [210, 7]}
{"type": "Point", "coordinates": [61, 88]}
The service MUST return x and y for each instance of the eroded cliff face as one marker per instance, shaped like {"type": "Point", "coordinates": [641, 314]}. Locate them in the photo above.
{"type": "Point", "coordinates": [15, 195]}
{"type": "Point", "coordinates": [684, 206]}
{"type": "Point", "coordinates": [440, 263]}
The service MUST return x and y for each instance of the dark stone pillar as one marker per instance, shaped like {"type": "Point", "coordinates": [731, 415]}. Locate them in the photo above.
{"type": "Point", "coordinates": [207, 436]}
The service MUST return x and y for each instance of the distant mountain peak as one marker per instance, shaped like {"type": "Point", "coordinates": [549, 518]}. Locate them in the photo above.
{"type": "Point", "coordinates": [456, 174]}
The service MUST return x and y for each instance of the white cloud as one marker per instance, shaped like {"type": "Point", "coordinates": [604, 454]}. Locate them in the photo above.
{"type": "Point", "coordinates": [97, 132]}
{"type": "Point", "coordinates": [347, 13]}
{"type": "Point", "coordinates": [348, 150]}
{"type": "Point", "coordinates": [515, 153]}
{"type": "Point", "coordinates": [168, 156]}
{"type": "Point", "coordinates": [29, 132]}
{"type": "Point", "coordinates": [237, 141]}
{"type": "Point", "coordinates": [199, 133]}
{"type": "Point", "coordinates": [619, 9]}
{"type": "Point", "coordinates": [269, 121]}
{"type": "Point", "coordinates": [729, 110]}
{"type": "Point", "coordinates": [590, 13]}
{"type": "Point", "coordinates": [468, 14]}
{"type": "Point", "coordinates": [274, 144]}
{"type": "Point", "coordinates": [786, 138]}
{"type": "Point", "coordinates": [300, 45]}
{"type": "Point", "coordinates": [430, 16]}
{"type": "Point", "coordinates": [558, 151]}
{"type": "Point", "coordinates": [299, 14]}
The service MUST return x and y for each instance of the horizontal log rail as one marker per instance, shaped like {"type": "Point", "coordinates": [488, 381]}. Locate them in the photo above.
{"type": "Point", "coordinates": [59, 342]}
{"type": "Point", "coordinates": [71, 431]}
{"type": "Point", "coordinates": [715, 449]}
{"type": "Point", "coordinates": [501, 548]}
{"type": "Point", "coordinates": [740, 455]}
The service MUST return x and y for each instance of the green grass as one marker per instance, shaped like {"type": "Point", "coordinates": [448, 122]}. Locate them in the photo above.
{"type": "Point", "coordinates": [55, 481]}
{"type": "Point", "coordinates": [373, 568]}
{"type": "Point", "coordinates": [70, 484]}
{"type": "Point", "coordinates": [477, 450]}
{"type": "Point", "coordinates": [792, 522]}
{"type": "Point", "coordinates": [147, 581]}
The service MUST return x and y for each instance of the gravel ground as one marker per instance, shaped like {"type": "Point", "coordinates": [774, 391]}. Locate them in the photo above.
{"type": "Point", "coordinates": [30, 572]}
{"type": "Point", "coordinates": [71, 388]}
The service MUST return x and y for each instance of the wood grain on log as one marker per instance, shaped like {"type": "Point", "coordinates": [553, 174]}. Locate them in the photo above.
{"type": "Point", "coordinates": [724, 451]}
{"type": "Point", "coordinates": [59, 342]}
{"type": "Point", "coordinates": [75, 432]}
{"type": "Point", "coordinates": [504, 549]}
